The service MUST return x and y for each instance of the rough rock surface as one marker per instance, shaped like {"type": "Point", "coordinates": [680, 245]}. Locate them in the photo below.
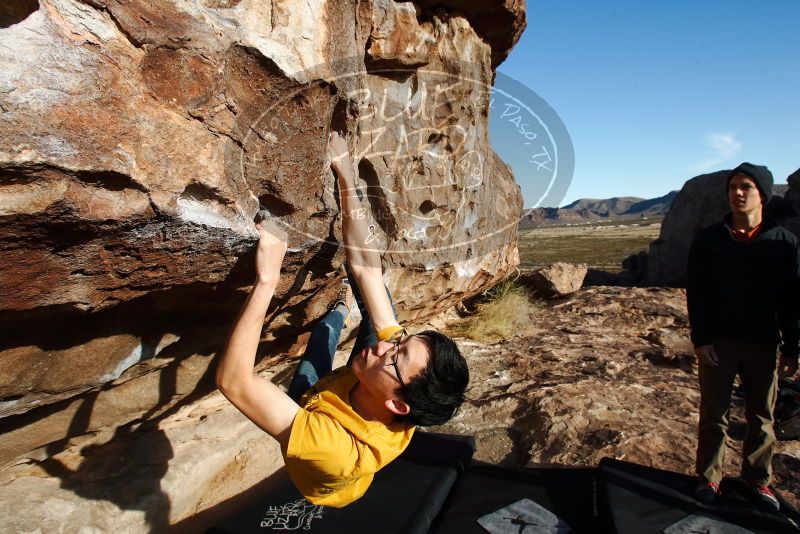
{"type": "Point", "coordinates": [143, 478]}
{"type": "Point", "coordinates": [140, 138]}
{"type": "Point", "coordinates": [499, 23]}
{"type": "Point", "coordinates": [606, 372]}
{"type": "Point", "coordinates": [556, 280]}
{"type": "Point", "coordinates": [700, 203]}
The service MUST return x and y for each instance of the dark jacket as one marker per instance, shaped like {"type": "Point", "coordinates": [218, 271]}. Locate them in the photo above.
{"type": "Point", "coordinates": [742, 291]}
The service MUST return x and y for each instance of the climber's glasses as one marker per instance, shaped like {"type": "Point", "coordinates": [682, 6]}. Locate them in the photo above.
{"type": "Point", "coordinates": [392, 356]}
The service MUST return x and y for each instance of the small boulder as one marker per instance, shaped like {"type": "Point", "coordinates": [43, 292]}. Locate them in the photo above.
{"type": "Point", "coordinates": [557, 279]}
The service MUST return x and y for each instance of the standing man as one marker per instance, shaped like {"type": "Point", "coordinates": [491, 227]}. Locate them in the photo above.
{"type": "Point", "coordinates": [338, 428]}
{"type": "Point", "coordinates": [742, 273]}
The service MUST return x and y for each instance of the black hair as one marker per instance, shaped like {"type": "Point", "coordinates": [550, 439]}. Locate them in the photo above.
{"type": "Point", "coordinates": [435, 394]}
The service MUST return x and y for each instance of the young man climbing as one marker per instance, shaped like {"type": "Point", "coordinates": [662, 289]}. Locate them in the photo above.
{"type": "Point", "coordinates": [743, 276]}
{"type": "Point", "coordinates": [337, 428]}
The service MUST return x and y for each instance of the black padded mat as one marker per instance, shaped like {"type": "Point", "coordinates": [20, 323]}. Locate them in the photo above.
{"type": "Point", "coordinates": [643, 499]}
{"type": "Point", "coordinates": [566, 492]}
{"type": "Point", "coordinates": [404, 497]}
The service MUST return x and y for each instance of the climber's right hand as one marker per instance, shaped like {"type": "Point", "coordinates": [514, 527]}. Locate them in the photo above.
{"type": "Point", "coordinates": [270, 252]}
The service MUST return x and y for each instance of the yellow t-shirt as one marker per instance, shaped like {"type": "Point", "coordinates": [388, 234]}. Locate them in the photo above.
{"type": "Point", "coordinates": [333, 453]}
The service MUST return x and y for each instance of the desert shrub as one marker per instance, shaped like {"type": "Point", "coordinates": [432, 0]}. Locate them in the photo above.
{"type": "Point", "coordinates": [501, 311]}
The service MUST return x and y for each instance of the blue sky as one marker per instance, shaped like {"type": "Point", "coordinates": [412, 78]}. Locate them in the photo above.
{"type": "Point", "coordinates": [653, 94]}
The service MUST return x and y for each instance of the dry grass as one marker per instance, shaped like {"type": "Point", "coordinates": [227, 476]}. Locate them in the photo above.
{"type": "Point", "coordinates": [503, 310]}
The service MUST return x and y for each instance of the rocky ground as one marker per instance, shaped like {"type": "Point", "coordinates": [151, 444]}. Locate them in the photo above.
{"type": "Point", "coordinates": [605, 372]}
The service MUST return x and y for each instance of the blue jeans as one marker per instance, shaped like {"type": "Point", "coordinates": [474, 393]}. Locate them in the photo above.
{"type": "Point", "coordinates": [318, 357]}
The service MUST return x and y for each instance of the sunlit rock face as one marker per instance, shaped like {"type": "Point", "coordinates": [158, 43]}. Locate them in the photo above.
{"type": "Point", "coordinates": [139, 140]}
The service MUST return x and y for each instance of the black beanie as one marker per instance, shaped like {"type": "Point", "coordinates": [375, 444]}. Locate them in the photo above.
{"type": "Point", "coordinates": [759, 174]}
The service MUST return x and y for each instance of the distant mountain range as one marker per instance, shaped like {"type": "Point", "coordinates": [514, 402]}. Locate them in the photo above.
{"type": "Point", "coordinates": [590, 209]}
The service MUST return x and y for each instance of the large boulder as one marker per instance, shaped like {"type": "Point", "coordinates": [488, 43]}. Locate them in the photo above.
{"type": "Point", "coordinates": [140, 139]}
{"type": "Point", "coordinates": [701, 202]}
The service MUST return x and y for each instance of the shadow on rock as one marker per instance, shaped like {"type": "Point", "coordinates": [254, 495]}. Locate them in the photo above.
{"type": "Point", "coordinates": [126, 470]}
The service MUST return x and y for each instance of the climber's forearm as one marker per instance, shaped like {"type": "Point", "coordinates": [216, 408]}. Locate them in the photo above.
{"type": "Point", "coordinates": [238, 361]}
{"type": "Point", "coordinates": [359, 250]}
{"type": "Point", "coordinates": [363, 258]}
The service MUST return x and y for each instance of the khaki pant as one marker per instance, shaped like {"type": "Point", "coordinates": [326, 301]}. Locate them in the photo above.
{"type": "Point", "coordinates": [756, 364]}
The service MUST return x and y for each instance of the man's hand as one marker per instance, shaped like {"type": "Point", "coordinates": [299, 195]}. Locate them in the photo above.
{"type": "Point", "coordinates": [787, 367]}
{"type": "Point", "coordinates": [271, 249]}
{"type": "Point", "coordinates": [706, 355]}
{"type": "Point", "coordinates": [337, 150]}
